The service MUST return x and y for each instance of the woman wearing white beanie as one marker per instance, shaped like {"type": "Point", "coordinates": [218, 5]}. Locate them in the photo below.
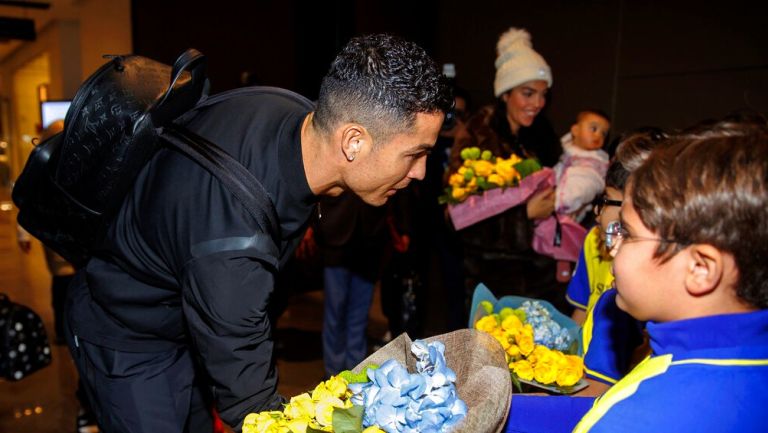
{"type": "Point", "coordinates": [498, 250]}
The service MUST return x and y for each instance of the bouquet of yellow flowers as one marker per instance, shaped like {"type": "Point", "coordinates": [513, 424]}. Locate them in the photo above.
{"type": "Point", "coordinates": [539, 350]}
{"type": "Point", "coordinates": [378, 399]}
{"type": "Point", "coordinates": [482, 171]}
{"type": "Point", "coordinates": [527, 360]}
{"type": "Point", "coordinates": [308, 412]}
{"type": "Point", "coordinates": [486, 185]}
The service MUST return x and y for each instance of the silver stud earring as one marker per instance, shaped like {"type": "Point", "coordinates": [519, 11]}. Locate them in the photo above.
{"type": "Point", "coordinates": [351, 157]}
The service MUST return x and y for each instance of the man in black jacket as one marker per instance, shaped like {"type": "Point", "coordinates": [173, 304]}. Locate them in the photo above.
{"type": "Point", "coordinates": [174, 308]}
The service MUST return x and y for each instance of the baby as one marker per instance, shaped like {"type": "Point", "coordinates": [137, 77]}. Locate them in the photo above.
{"type": "Point", "coordinates": [581, 171]}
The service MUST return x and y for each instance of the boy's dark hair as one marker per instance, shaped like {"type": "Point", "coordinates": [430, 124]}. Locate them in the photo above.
{"type": "Point", "coordinates": [381, 82]}
{"type": "Point", "coordinates": [596, 111]}
{"type": "Point", "coordinates": [631, 151]}
{"type": "Point", "coordinates": [709, 186]}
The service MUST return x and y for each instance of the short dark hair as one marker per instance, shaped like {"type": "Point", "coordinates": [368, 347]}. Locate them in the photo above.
{"type": "Point", "coordinates": [710, 186]}
{"type": "Point", "coordinates": [632, 150]}
{"type": "Point", "coordinates": [596, 111]}
{"type": "Point", "coordinates": [382, 82]}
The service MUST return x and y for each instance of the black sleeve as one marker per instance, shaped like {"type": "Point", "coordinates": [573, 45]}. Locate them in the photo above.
{"type": "Point", "coordinates": [225, 297]}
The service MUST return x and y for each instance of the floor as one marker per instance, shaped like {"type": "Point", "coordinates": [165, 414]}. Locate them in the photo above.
{"type": "Point", "coordinates": [44, 401]}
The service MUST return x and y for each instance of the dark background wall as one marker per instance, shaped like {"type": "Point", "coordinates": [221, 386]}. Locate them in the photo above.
{"type": "Point", "coordinates": [664, 63]}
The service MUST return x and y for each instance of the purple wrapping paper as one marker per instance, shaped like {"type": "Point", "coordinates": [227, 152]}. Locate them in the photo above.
{"type": "Point", "coordinates": [479, 207]}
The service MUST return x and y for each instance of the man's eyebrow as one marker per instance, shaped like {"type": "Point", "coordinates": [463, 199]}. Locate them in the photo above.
{"type": "Point", "coordinates": [422, 147]}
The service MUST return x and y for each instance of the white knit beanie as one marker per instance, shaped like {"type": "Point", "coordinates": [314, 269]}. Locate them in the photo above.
{"type": "Point", "coordinates": [517, 62]}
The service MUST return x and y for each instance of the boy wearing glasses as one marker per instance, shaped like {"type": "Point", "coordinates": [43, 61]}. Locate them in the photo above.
{"type": "Point", "coordinates": [609, 335]}
{"type": "Point", "coordinates": [593, 271]}
{"type": "Point", "coordinates": [689, 258]}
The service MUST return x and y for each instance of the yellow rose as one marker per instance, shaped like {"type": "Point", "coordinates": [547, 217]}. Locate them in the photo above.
{"type": "Point", "coordinates": [575, 362]}
{"type": "Point", "coordinates": [324, 412]}
{"type": "Point", "coordinates": [502, 338]}
{"type": "Point", "coordinates": [300, 406]}
{"type": "Point", "coordinates": [568, 376]}
{"type": "Point", "coordinates": [373, 429]}
{"type": "Point", "coordinates": [337, 386]}
{"type": "Point", "coordinates": [459, 193]}
{"type": "Point", "coordinates": [513, 159]}
{"type": "Point", "coordinates": [456, 180]}
{"type": "Point", "coordinates": [545, 373]}
{"type": "Point", "coordinates": [482, 168]}
{"type": "Point", "coordinates": [472, 185]}
{"type": "Point", "coordinates": [250, 418]}
{"type": "Point", "coordinates": [525, 342]}
{"type": "Point", "coordinates": [486, 324]}
{"type": "Point", "coordinates": [262, 425]}
{"type": "Point", "coordinates": [321, 392]}
{"type": "Point", "coordinates": [528, 329]}
{"type": "Point", "coordinates": [513, 351]}
{"type": "Point", "coordinates": [298, 425]}
{"type": "Point", "coordinates": [523, 369]}
{"type": "Point", "coordinates": [539, 352]}
{"type": "Point", "coordinates": [496, 180]}
{"type": "Point", "coordinates": [512, 323]}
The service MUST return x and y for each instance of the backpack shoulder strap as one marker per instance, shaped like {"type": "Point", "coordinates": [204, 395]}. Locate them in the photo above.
{"type": "Point", "coordinates": [240, 182]}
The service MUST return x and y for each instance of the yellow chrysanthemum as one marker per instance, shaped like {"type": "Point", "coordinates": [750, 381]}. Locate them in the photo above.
{"type": "Point", "coordinates": [373, 429]}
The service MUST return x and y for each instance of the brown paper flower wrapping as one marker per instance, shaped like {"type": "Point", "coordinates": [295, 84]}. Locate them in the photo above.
{"type": "Point", "coordinates": [482, 375]}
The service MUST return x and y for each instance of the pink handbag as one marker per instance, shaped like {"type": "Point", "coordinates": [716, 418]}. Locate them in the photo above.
{"type": "Point", "coordinates": [559, 237]}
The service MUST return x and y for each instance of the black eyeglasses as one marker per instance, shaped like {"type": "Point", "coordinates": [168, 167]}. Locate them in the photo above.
{"type": "Point", "coordinates": [604, 201]}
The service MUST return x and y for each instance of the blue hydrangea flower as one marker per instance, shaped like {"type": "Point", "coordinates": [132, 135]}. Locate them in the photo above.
{"type": "Point", "coordinates": [546, 331]}
{"type": "Point", "coordinates": [425, 401]}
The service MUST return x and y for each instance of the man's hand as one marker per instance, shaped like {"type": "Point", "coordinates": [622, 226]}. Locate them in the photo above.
{"type": "Point", "coordinates": [541, 204]}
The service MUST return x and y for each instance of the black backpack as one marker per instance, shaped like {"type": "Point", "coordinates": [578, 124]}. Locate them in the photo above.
{"type": "Point", "coordinates": [74, 183]}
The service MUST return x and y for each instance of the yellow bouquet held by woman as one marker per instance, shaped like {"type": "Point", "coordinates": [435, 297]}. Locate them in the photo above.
{"type": "Point", "coordinates": [482, 171]}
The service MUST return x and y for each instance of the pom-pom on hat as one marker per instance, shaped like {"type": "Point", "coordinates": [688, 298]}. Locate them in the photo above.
{"type": "Point", "coordinates": [517, 62]}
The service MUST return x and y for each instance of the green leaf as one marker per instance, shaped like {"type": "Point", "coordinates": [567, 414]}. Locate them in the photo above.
{"type": "Point", "coordinates": [314, 430]}
{"type": "Point", "coordinates": [527, 166]}
{"type": "Point", "coordinates": [348, 420]}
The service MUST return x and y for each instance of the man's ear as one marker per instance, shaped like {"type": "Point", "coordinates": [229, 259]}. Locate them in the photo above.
{"type": "Point", "coordinates": [706, 268]}
{"type": "Point", "coordinates": [353, 138]}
